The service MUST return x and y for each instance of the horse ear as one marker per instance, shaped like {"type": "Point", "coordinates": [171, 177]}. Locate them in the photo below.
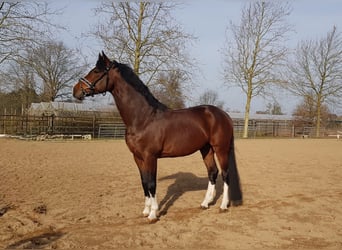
{"type": "Point", "coordinates": [100, 64]}
{"type": "Point", "coordinates": [105, 59]}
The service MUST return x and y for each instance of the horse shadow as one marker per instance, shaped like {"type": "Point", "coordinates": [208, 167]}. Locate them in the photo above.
{"type": "Point", "coordinates": [185, 182]}
{"type": "Point", "coordinates": [37, 242]}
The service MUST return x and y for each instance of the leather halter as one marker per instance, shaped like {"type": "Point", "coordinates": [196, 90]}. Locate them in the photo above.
{"type": "Point", "coordinates": [91, 86]}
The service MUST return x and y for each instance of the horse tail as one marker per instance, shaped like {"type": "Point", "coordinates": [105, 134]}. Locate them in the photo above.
{"type": "Point", "coordinates": [235, 192]}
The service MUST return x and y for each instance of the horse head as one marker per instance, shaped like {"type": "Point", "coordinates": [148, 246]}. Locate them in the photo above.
{"type": "Point", "coordinates": [96, 81]}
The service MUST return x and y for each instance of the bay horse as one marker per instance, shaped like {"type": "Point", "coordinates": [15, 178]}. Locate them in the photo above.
{"type": "Point", "coordinates": [154, 131]}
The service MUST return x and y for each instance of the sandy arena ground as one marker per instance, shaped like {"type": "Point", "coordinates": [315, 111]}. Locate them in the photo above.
{"type": "Point", "coordinates": [76, 194]}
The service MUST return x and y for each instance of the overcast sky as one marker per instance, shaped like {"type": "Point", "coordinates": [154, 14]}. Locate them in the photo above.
{"type": "Point", "coordinates": [208, 20]}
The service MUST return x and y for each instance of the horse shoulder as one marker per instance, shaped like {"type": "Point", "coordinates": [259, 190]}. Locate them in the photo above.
{"type": "Point", "coordinates": [143, 143]}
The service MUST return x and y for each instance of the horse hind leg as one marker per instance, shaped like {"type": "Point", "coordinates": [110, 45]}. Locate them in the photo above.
{"type": "Point", "coordinates": [232, 194]}
{"type": "Point", "coordinates": [222, 158]}
{"type": "Point", "coordinates": [209, 160]}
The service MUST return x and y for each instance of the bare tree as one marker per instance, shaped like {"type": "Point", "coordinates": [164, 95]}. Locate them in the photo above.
{"type": "Point", "coordinates": [317, 72]}
{"type": "Point", "coordinates": [210, 97]}
{"type": "Point", "coordinates": [21, 23]}
{"type": "Point", "coordinates": [251, 60]}
{"type": "Point", "coordinates": [144, 35]}
{"type": "Point", "coordinates": [19, 86]}
{"type": "Point", "coordinates": [56, 66]}
{"type": "Point", "coordinates": [168, 90]}
{"type": "Point", "coordinates": [305, 112]}
{"type": "Point", "coordinates": [274, 108]}
{"type": "Point", "coordinates": [19, 82]}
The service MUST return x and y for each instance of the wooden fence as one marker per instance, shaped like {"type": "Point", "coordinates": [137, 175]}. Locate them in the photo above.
{"type": "Point", "coordinates": [111, 126]}
{"type": "Point", "coordinates": [98, 127]}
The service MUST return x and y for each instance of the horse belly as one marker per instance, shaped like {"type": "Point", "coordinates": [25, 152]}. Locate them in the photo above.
{"type": "Point", "coordinates": [184, 142]}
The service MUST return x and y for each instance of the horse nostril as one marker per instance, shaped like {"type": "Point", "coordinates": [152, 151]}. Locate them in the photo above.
{"type": "Point", "coordinates": [78, 94]}
{"type": "Point", "coordinates": [80, 97]}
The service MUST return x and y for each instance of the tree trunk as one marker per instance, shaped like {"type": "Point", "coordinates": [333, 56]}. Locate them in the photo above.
{"type": "Point", "coordinates": [138, 40]}
{"type": "Point", "coordinates": [318, 117]}
{"type": "Point", "coordinates": [247, 109]}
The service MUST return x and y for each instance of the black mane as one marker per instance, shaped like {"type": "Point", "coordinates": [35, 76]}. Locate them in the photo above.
{"type": "Point", "coordinates": [131, 78]}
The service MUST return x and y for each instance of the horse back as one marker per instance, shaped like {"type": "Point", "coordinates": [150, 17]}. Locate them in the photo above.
{"type": "Point", "coordinates": [185, 131]}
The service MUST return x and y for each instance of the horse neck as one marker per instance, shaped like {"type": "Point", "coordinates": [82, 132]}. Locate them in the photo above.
{"type": "Point", "coordinates": [134, 109]}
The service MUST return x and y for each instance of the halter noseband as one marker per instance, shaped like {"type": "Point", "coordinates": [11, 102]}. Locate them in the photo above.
{"type": "Point", "coordinates": [91, 86]}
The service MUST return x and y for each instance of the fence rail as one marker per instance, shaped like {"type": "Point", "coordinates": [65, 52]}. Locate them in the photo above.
{"type": "Point", "coordinates": [110, 130]}
{"type": "Point", "coordinates": [53, 125]}
{"type": "Point", "coordinates": [111, 126]}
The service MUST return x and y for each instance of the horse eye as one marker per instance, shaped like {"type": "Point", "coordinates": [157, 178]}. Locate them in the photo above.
{"type": "Point", "coordinates": [96, 71]}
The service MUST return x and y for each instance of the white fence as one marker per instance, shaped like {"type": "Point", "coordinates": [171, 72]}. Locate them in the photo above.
{"type": "Point", "coordinates": [111, 130]}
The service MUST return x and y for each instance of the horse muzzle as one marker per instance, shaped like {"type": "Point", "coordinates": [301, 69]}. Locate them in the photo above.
{"type": "Point", "coordinates": [78, 93]}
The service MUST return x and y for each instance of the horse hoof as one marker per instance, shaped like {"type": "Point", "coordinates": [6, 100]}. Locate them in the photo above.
{"type": "Point", "coordinates": [203, 207]}
{"type": "Point", "coordinates": [223, 210]}
{"type": "Point", "coordinates": [152, 221]}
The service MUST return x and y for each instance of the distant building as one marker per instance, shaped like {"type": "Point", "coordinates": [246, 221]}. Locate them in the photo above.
{"type": "Point", "coordinates": [69, 109]}
{"type": "Point", "coordinates": [261, 117]}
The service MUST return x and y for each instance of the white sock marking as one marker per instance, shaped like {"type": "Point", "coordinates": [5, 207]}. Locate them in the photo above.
{"type": "Point", "coordinates": [147, 207]}
{"type": "Point", "coordinates": [225, 198]}
{"type": "Point", "coordinates": [209, 196]}
{"type": "Point", "coordinates": [154, 208]}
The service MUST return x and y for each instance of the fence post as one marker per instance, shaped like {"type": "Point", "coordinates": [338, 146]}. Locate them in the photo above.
{"type": "Point", "coordinates": [52, 123]}
{"type": "Point", "coordinates": [3, 122]}
{"type": "Point", "coordinates": [94, 124]}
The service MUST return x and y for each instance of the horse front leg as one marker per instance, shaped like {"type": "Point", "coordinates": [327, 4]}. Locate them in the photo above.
{"type": "Point", "coordinates": [148, 174]}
